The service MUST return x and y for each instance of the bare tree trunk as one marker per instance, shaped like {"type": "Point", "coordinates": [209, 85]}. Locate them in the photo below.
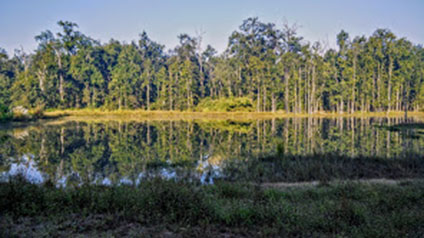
{"type": "Point", "coordinates": [125, 100]}
{"type": "Point", "coordinates": [352, 108]}
{"type": "Point", "coordinates": [199, 52]}
{"type": "Point", "coordinates": [397, 100]}
{"type": "Point", "coordinates": [264, 98]}
{"type": "Point", "coordinates": [348, 104]}
{"type": "Point", "coordinates": [42, 78]}
{"type": "Point", "coordinates": [148, 95]}
{"type": "Point", "coordinates": [239, 80]}
{"type": "Point", "coordinates": [61, 80]}
{"type": "Point", "coordinates": [313, 104]}
{"type": "Point", "coordinates": [77, 101]}
{"type": "Point", "coordinates": [170, 91]}
{"type": "Point", "coordinates": [296, 88]}
{"type": "Point", "coordinates": [379, 87]}
{"type": "Point", "coordinates": [389, 93]}
{"type": "Point", "coordinates": [373, 91]}
{"type": "Point", "coordinates": [298, 98]}
{"type": "Point", "coordinates": [405, 102]}
{"type": "Point", "coordinates": [306, 90]}
{"type": "Point", "coordinates": [188, 95]}
{"type": "Point", "coordinates": [61, 89]}
{"type": "Point", "coordinates": [286, 90]}
{"type": "Point", "coordinates": [258, 99]}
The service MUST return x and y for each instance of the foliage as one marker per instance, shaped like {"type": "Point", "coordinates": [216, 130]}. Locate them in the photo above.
{"type": "Point", "coordinates": [22, 114]}
{"type": "Point", "coordinates": [271, 67]}
{"type": "Point", "coordinates": [37, 113]}
{"type": "Point", "coordinates": [241, 104]}
{"type": "Point", "coordinates": [5, 113]}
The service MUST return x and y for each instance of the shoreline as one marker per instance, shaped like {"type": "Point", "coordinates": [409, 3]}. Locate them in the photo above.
{"type": "Point", "coordinates": [79, 114]}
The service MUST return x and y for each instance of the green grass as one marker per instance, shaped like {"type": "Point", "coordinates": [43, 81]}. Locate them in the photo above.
{"type": "Point", "coordinates": [160, 207]}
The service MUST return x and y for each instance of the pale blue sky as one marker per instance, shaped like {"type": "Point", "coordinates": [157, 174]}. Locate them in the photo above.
{"type": "Point", "coordinates": [21, 20]}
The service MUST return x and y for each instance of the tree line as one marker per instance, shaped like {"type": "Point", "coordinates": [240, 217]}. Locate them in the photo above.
{"type": "Point", "coordinates": [273, 67]}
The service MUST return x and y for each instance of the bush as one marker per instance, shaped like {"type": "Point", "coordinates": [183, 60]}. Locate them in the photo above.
{"type": "Point", "coordinates": [5, 113]}
{"type": "Point", "coordinates": [37, 112]}
{"type": "Point", "coordinates": [20, 113]}
{"type": "Point", "coordinates": [232, 104]}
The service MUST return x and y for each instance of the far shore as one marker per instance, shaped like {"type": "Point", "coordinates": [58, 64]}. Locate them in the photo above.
{"type": "Point", "coordinates": [99, 114]}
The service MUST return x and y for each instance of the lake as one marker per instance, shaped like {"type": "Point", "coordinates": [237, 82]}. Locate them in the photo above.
{"type": "Point", "coordinates": [69, 153]}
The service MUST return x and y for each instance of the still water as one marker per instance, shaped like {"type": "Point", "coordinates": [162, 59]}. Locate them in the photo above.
{"type": "Point", "coordinates": [111, 152]}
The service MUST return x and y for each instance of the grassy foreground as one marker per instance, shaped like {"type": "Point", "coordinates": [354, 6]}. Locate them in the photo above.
{"type": "Point", "coordinates": [175, 209]}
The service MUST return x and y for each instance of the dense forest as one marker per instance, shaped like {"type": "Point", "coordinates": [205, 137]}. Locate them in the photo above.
{"type": "Point", "coordinates": [265, 68]}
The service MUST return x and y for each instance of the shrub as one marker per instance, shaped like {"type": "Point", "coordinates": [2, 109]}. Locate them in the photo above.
{"type": "Point", "coordinates": [232, 104]}
{"type": "Point", "coordinates": [37, 112]}
{"type": "Point", "coordinates": [20, 113]}
{"type": "Point", "coordinates": [5, 113]}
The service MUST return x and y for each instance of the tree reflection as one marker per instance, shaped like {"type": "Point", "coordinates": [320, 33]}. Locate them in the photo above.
{"type": "Point", "coordinates": [113, 152]}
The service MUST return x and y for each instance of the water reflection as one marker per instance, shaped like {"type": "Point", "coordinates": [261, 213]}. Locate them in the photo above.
{"type": "Point", "coordinates": [74, 153]}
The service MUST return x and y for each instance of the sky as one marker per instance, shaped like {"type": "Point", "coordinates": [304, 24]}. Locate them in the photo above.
{"type": "Point", "coordinates": [164, 20]}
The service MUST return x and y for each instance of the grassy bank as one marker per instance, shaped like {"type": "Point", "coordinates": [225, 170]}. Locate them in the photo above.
{"type": "Point", "coordinates": [180, 115]}
{"type": "Point", "coordinates": [159, 208]}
